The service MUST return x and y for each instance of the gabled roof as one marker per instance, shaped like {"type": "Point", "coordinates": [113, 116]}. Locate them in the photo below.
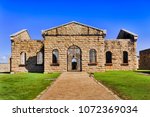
{"type": "Point", "coordinates": [125, 34]}
{"type": "Point", "coordinates": [75, 23]}
{"type": "Point", "coordinates": [70, 23]}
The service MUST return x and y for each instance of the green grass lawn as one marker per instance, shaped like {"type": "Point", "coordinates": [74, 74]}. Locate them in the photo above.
{"type": "Point", "coordinates": [24, 86]}
{"type": "Point", "coordinates": [126, 84]}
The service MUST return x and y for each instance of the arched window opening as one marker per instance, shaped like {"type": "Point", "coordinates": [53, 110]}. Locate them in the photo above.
{"type": "Point", "coordinates": [39, 58]}
{"type": "Point", "coordinates": [55, 56]}
{"type": "Point", "coordinates": [23, 58]}
{"type": "Point", "coordinates": [92, 55]}
{"type": "Point", "coordinates": [108, 57]}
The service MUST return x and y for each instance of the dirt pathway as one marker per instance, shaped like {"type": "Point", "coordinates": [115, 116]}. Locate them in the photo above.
{"type": "Point", "coordinates": [76, 86]}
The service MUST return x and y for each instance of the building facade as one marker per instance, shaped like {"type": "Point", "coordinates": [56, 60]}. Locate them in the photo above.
{"type": "Point", "coordinates": [144, 62]}
{"type": "Point", "coordinates": [73, 47]}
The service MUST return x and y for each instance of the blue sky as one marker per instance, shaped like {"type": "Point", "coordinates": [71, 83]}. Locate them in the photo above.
{"type": "Point", "coordinates": [36, 15]}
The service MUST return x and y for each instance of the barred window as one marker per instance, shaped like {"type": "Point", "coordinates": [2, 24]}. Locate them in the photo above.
{"type": "Point", "coordinates": [92, 56]}
{"type": "Point", "coordinates": [23, 58]}
{"type": "Point", "coordinates": [39, 58]}
{"type": "Point", "coordinates": [108, 57]}
{"type": "Point", "coordinates": [55, 56]}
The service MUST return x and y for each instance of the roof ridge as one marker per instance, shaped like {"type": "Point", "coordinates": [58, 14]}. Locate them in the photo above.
{"type": "Point", "coordinates": [76, 23]}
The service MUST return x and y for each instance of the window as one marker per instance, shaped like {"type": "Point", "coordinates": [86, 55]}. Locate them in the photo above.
{"type": "Point", "coordinates": [92, 55]}
{"type": "Point", "coordinates": [108, 57]}
{"type": "Point", "coordinates": [55, 56]}
{"type": "Point", "coordinates": [23, 58]}
{"type": "Point", "coordinates": [125, 57]}
{"type": "Point", "coordinates": [39, 58]}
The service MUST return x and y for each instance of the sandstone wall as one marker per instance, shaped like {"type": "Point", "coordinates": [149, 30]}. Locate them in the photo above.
{"type": "Point", "coordinates": [30, 47]}
{"type": "Point", "coordinates": [61, 38]}
{"type": "Point", "coordinates": [117, 47]}
{"type": "Point", "coordinates": [144, 62]}
{"type": "Point", "coordinates": [74, 29]}
{"type": "Point", "coordinates": [62, 43]}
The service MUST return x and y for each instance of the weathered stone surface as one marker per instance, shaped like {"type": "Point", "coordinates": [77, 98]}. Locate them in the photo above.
{"type": "Point", "coordinates": [117, 47]}
{"type": "Point", "coordinates": [144, 62]}
{"type": "Point", "coordinates": [31, 48]}
{"type": "Point", "coordinates": [62, 43]}
{"type": "Point", "coordinates": [73, 34]}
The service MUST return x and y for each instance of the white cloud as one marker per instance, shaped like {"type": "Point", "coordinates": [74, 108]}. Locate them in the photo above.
{"type": "Point", "coordinates": [3, 59]}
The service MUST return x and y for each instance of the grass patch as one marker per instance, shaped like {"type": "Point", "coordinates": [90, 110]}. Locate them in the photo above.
{"type": "Point", "coordinates": [24, 86]}
{"type": "Point", "coordinates": [126, 84]}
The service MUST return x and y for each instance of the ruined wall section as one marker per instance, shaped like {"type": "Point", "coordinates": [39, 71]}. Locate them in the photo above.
{"type": "Point", "coordinates": [144, 62]}
{"type": "Point", "coordinates": [117, 47]}
{"type": "Point", "coordinates": [22, 43]}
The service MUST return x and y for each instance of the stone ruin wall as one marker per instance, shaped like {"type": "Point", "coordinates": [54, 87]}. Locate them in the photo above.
{"type": "Point", "coordinates": [144, 62]}
{"type": "Point", "coordinates": [31, 48]}
{"type": "Point", "coordinates": [22, 43]}
{"type": "Point", "coordinates": [57, 40]}
{"type": "Point", "coordinates": [117, 47]}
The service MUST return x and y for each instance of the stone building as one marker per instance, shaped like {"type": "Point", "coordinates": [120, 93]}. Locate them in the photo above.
{"type": "Point", "coordinates": [144, 62]}
{"type": "Point", "coordinates": [73, 47]}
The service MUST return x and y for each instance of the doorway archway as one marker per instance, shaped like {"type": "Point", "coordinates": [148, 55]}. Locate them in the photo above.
{"type": "Point", "coordinates": [74, 58]}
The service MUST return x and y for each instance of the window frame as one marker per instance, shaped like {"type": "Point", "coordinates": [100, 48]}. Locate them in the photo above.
{"type": "Point", "coordinates": [24, 59]}
{"type": "Point", "coordinates": [125, 58]}
{"type": "Point", "coordinates": [38, 57]}
{"type": "Point", "coordinates": [108, 58]}
{"type": "Point", "coordinates": [91, 57]}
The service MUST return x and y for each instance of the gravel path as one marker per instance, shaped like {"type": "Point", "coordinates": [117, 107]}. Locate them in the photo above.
{"type": "Point", "coordinates": [76, 86]}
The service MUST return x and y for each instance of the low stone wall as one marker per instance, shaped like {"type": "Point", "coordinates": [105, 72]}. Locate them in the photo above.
{"type": "Point", "coordinates": [5, 67]}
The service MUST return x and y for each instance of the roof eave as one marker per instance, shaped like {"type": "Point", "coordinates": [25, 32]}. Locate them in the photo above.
{"type": "Point", "coordinates": [17, 33]}
{"type": "Point", "coordinates": [135, 35]}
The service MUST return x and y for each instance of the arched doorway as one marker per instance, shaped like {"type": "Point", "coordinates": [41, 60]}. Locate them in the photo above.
{"type": "Point", "coordinates": [74, 58]}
